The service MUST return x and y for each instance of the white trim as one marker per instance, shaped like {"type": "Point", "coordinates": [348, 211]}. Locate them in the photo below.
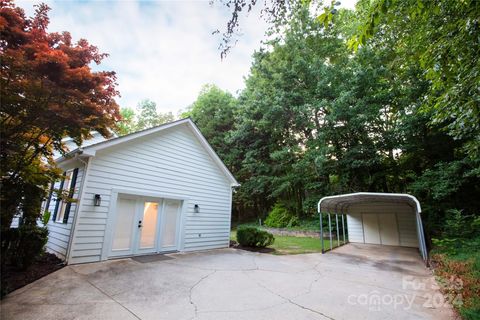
{"type": "Point", "coordinates": [111, 219]}
{"type": "Point", "coordinates": [212, 153]}
{"type": "Point", "coordinates": [178, 230]}
{"type": "Point", "coordinates": [113, 142]}
{"type": "Point", "coordinates": [230, 221]}
{"type": "Point", "coordinates": [78, 206]}
{"type": "Point", "coordinates": [135, 192]}
{"type": "Point", "coordinates": [183, 223]}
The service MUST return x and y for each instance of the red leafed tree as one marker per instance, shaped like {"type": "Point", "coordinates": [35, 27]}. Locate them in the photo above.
{"type": "Point", "coordinates": [48, 92]}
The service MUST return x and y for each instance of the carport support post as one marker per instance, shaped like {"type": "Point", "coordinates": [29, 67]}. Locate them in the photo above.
{"type": "Point", "coordinates": [321, 230]}
{"type": "Point", "coordinates": [343, 228]}
{"type": "Point", "coordinates": [330, 230]}
{"type": "Point", "coordinates": [338, 233]}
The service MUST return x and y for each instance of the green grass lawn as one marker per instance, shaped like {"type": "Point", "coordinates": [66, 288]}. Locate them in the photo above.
{"type": "Point", "coordinates": [294, 245]}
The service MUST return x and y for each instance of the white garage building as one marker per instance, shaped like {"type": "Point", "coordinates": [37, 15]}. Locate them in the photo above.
{"type": "Point", "coordinates": [159, 190]}
{"type": "Point", "coordinates": [376, 218]}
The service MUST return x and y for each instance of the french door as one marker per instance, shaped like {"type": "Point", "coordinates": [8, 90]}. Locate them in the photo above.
{"type": "Point", "coordinates": [170, 225]}
{"type": "Point", "coordinates": [145, 225]}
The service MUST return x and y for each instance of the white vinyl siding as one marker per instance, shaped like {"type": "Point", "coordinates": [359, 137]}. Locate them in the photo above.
{"type": "Point", "coordinates": [171, 162]}
{"type": "Point", "coordinates": [59, 232]}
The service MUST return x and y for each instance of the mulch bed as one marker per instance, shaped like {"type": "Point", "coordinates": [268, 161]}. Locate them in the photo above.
{"type": "Point", "coordinates": [13, 279]}
{"type": "Point", "coordinates": [236, 245]}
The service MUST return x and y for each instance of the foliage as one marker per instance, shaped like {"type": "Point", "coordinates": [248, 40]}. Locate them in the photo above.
{"type": "Point", "coordinates": [145, 116]}
{"type": "Point", "coordinates": [295, 245]}
{"type": "Point", "coordinates": [450, 63]}
{"type": "Point", "coordinates": [459, 260]}
{"type": "Point", "coordinates": [49, 92]}
{"type": "Point", "coordinates": [458, 225]}
{"type": "Point", "coordinates": [46, 217]}
{"type": "Point", "coordinates": [149, 116]}
{"type": "Point", "coordinates": [127, 124]}
{"type": "Point", "coordinates": [276, 13]}
{"type": "Point", "coordinates": [24, 244]}
{"type": "Point", "coordinates": [317, 119]}
{"type": "Point", "coordinates": [307, 115]}
{"type": "Point", "coordinates": [254, 237]}
{"type": "Point", "coordinates": [213, 111]}
{"type": "Point", "coordinates": [280, 217]}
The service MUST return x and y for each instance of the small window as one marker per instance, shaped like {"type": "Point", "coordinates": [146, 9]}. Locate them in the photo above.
{"type": "Point", "coordinates": [67, 184]}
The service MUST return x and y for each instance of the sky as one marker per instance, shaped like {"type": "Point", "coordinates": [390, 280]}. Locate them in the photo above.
{"type": "Point", "coordinates": [161, 50]}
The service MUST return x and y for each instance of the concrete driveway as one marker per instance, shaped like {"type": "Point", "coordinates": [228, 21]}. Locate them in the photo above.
{"type": "Point", "coordinates": [352, 282]}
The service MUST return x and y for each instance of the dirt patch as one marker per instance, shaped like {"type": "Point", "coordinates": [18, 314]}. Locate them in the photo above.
{"type": "Point", "coordinates": [261, 250]}
{"type": "Point", "coordinates": [13, 279]}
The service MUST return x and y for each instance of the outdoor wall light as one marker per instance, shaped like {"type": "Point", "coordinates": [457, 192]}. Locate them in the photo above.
{"type": "Point", "coordinates": [97, 200]}
{"type": "Point", "coordinates": [196, 208]}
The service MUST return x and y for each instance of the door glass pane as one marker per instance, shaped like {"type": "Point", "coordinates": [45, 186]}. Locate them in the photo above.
{"type": "Point", "coordinates": [149, 225]}
{"type": "Point", "coordinates": [169, 225]}
{"type": "Point", "coordinates": [122, 237]}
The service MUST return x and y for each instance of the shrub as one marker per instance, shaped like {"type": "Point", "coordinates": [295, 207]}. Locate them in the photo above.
{"type": "Point", "coordinates": [26, 244]}
{"type": "Point", "coordinates": [249, 236]}
{"type": "Point", "coordinates": [280, 217]}
{"type": "Point", "coordinates": [460, 225]}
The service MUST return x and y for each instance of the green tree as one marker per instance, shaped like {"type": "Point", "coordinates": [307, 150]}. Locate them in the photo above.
{"type": "Point", "coordinates": [315, 119]}
{"type": "Point", "coordinates": [127, 124]}
{"type": "Point", "coordinates": [214, 113]}
{"type": "Point", "coordinates": [443, 40]}
{"type": "Point", "coordinates": [48, 92]}
{"type": "Point", "coordinates": [440, 169]}
{"type": "Point", "coordinates": [308, 115]}
{"type": "Point", "coordinates": [149, 117]}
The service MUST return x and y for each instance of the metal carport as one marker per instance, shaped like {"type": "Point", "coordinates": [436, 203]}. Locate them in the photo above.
{"type": "Point", "coordinates": [375, 218]}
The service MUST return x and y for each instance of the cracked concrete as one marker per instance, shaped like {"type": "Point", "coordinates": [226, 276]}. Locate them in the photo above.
{"type": "Point", "coordinates": [352, 282]}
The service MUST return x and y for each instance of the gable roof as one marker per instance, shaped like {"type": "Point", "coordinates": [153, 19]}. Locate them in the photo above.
{"type": "Point", "coordinates": [90, 151]}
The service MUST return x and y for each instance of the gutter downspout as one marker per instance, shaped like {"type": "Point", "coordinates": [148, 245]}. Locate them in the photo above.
{"type": "Point", "coordinates": [77, 207]}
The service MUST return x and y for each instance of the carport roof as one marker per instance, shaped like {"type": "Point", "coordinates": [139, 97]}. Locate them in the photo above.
{"type": "Point", "coordinates": [340, 203]}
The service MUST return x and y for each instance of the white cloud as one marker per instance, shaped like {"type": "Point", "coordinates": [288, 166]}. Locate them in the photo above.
{"type": "Point", "coordinates": [160, 50]}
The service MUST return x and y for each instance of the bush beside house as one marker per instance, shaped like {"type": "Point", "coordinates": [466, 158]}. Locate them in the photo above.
{"type": "Point", "coordinates": [249, 236]}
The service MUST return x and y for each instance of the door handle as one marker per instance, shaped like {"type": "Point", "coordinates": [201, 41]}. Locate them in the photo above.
{"type": "Point", "coordinates": [140, 223]}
